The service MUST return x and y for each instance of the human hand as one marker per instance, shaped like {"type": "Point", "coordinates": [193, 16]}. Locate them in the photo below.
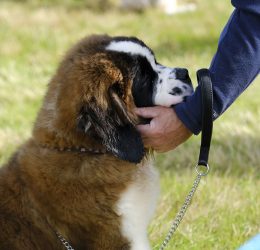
{"type": "Point", "coordinates": [165, 131]}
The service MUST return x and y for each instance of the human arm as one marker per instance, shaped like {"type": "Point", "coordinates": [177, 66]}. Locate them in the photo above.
{"type": "Point", "coordinates": [233, 68]}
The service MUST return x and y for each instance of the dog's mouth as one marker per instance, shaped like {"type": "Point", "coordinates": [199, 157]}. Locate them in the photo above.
{"type": "Point", "coordinates": [185, 98]}
{"type": "Point", "coordinates": [172, 87]}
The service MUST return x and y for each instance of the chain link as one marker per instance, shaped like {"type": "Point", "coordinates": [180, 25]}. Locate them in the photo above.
{"type": "Point", "coordinates": [177, 220]}
{"type": "Point", "coordinates": [64, 242]}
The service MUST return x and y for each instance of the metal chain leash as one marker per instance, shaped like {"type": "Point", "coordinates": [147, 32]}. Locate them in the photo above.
{"type": "Point", "coordinates": [64, 242]}
{"type": "Point", "coordinates": [176, 222]}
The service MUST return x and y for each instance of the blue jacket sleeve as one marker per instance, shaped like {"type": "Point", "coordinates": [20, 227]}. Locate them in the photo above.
{"type": "Point", "coordinates": [234, 66]}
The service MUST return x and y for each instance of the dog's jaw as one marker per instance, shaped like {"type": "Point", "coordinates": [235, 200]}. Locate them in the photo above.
{"type": "Point", "coordinates": [169, 89]}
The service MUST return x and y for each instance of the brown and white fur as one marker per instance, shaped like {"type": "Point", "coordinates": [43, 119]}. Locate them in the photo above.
{"type": "Point", "coordinates": [85, 173]}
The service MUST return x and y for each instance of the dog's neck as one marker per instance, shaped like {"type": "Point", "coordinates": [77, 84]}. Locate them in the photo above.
{"type": "Point", "coordinates": [73, 142]}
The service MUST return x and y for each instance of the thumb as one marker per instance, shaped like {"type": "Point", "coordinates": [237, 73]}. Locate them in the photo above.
{"type": "Point", "coordinates": [148, 112]}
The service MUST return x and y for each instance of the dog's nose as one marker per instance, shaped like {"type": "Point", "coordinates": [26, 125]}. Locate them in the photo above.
{"type": "Point", "coordinates": [182, 74]}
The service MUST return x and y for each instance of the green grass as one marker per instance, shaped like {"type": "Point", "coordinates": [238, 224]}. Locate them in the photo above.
{"type": "Point", "coordinates": [226, 209]}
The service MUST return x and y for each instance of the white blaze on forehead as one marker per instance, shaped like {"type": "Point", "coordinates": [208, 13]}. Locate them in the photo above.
{"type": "Point", "coordinates": [134, 49]}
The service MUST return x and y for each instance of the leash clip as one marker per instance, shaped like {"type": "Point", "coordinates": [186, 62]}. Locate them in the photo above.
{"type": "Point", "coordinates": [202, 169]}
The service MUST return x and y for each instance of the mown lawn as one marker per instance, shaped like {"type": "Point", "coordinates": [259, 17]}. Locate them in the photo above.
{"type": "Point", "coordinates": [226, 210]}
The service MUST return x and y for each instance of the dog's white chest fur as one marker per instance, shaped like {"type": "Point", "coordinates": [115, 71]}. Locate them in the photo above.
{"type": "Point", "coordinates": [137, 204]}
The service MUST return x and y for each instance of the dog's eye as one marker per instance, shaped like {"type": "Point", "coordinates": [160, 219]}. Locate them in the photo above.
{"type": "Point", "coordinates": [118, 88]}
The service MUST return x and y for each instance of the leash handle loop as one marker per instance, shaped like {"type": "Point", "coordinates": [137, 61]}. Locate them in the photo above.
{"type": "Point", "coordinates": [204, 80]}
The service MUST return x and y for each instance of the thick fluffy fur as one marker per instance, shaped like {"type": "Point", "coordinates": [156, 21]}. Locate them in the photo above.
{"type": "Point", "coordinates": [97, 201]}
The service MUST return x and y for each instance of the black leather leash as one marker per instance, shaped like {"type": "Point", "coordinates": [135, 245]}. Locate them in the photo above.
{"type": "Point", "coordinates": [202, 168]}
{"type": "Point", "coordinates": [204, 80]}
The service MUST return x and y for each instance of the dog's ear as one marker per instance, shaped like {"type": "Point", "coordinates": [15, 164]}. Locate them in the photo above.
{"type": "Point", "coordinates": [126, 141]}
{"type": "Point", "coordinates": [107, 110]}
{"type": "Point", "coordinates": [84, 123]}
{"type": "Point", "coordinates": [114, 126]}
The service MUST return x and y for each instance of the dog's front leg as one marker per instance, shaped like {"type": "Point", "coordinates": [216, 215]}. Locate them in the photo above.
{"type": "Point", "coordinates": [136, 207]}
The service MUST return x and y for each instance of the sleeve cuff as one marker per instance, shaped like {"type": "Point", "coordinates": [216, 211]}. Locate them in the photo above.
{"type": "Point", "coordinates": [190, 112]}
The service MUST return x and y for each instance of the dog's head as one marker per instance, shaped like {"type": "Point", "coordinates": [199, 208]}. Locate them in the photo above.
{"type": "Point", "coordinates": [99, 83]}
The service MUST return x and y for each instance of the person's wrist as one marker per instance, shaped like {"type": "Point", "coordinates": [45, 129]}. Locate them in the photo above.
{"type": "Point", "coordinates": [187, 121]}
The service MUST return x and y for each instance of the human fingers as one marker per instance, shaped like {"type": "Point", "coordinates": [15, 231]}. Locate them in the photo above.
{"type": "Point", "coordinates": [148, 112]}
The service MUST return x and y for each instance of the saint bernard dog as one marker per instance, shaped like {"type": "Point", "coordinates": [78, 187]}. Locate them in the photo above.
{"type": "Point", "coordinates": [84, 177]}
